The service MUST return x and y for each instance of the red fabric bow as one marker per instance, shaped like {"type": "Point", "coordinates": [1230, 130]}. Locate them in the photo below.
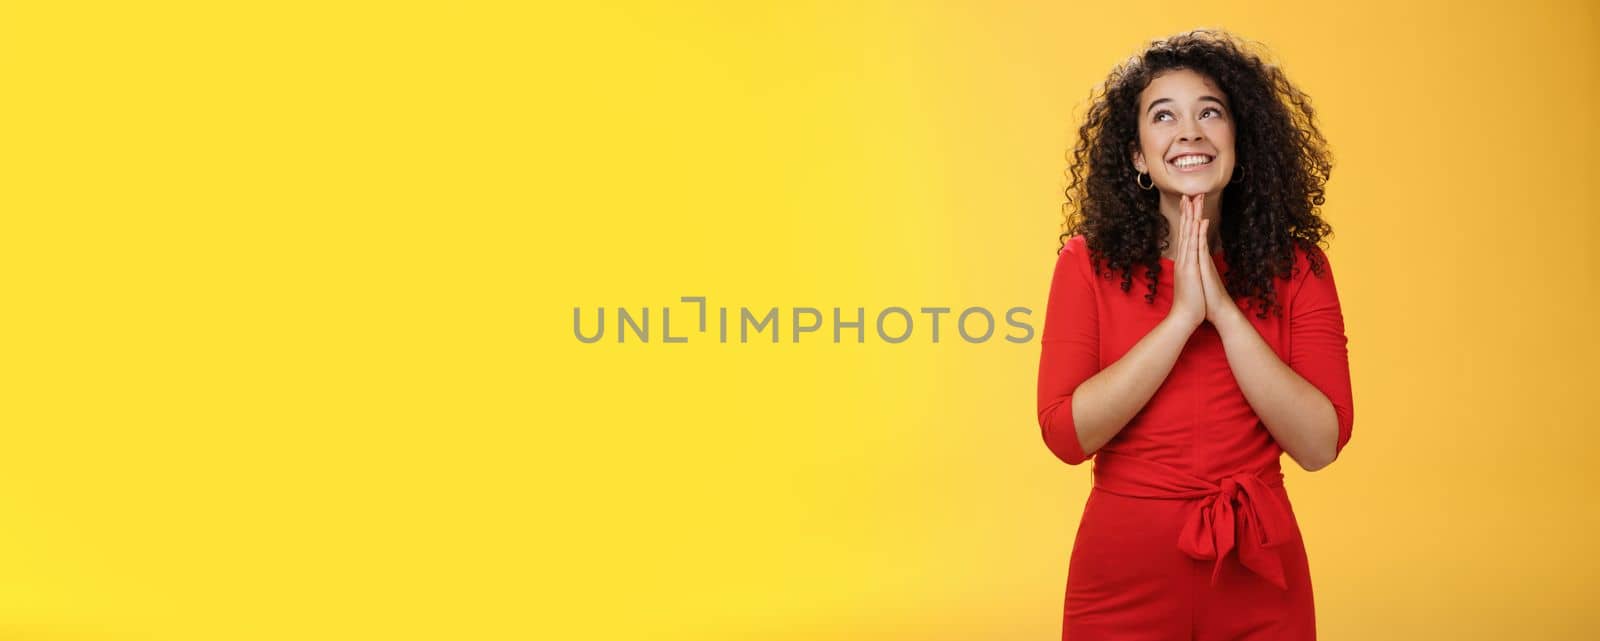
{"type": "Point", "coordinates": [1240, 511]}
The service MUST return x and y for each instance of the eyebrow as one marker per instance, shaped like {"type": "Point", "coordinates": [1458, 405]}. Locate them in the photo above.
{"type": "Point", "coordinates": [1161, 100]}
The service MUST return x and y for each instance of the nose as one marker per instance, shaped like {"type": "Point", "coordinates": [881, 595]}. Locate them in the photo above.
{"type": "Point", "coordinates": [1191, 132]}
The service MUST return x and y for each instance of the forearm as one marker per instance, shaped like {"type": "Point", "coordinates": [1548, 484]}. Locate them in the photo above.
{"type": "Point", "coordinates": [1104, 403]}
{"type": "Point", "coordinates": [1299, 417]}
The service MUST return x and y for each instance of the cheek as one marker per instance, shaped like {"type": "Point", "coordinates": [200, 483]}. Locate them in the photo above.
{"type": "Point", "coordinates": [1222, 135]}
{"type": "Point", "coordinates": [1151, 146]}
{"type": "Point", "coordinates": [1225, 148]}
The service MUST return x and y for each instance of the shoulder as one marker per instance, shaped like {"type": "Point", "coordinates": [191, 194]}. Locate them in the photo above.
{"type": "Point", "coordinates": [1303, 263]}
{"type": "Point", "coordinates": [1075, 255]}
{"type": "Point", "coordinates": [1077, 249]}
{"type": "Point", "coordinates": [1313, 276]}
{"type": "Point", "coordinates": [1076, 245]}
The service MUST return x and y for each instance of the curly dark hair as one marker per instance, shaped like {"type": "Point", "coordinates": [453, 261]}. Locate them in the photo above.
{"type": "Point", "coordinates": [1269, 208]}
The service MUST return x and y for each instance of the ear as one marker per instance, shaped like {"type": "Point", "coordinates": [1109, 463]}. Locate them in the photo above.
{"type": "Point", "coordinates": [1138, 162]}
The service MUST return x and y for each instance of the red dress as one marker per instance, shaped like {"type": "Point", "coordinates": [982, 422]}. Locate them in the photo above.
{"type": "Point", "coordinates": [1188, 532]}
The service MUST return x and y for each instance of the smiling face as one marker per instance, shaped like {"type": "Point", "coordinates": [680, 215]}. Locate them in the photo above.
{"type": "Point", "coordinates": [1184, 118]}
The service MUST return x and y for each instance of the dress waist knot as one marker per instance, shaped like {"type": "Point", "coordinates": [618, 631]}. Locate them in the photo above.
{"type": "Point", "coordinates": [1240, 511]}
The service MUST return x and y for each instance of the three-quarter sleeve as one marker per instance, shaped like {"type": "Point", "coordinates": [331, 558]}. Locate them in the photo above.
{"type": "Point", "coordinates": [1318, 345]}
{"type": "Point", "coordinates": [1070, 350]}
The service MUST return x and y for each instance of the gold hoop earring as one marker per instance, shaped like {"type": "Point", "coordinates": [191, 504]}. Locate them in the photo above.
{"type": "Point", "coordinates": [1239, 174]}
{"type": "Point", "coordinates": [1141, 184]}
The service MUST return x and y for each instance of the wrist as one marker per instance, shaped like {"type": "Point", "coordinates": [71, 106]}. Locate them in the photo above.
{"type": "Point", "coordinates": [1230, 318]}
{"type": "Point", "coordinates": [1183, 322]}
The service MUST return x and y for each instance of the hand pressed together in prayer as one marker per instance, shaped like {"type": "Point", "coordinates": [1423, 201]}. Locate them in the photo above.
{"type": "Point", "coordinates": [1199, 292]}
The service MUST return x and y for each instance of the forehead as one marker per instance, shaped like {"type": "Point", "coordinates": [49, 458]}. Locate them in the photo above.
{"type": "Point", "coordinates": [1181, 85]}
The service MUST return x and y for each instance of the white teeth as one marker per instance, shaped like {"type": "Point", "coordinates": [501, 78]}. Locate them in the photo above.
{"type": "Point", "coordinates": [1190, 161]}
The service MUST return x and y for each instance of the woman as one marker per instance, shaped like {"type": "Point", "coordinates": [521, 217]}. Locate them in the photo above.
{"type": "Point", "coordinates": [1200, 170]}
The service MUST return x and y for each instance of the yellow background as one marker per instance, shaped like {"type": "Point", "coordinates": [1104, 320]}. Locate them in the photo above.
{"type": "Point", "coordinates": [288, 292]}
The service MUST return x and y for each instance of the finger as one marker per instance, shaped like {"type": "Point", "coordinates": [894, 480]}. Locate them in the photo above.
{"type": "Point", "coordinates": [1194, 223]}
{"type": "Point", "coordinates": [1194, 227]}
{"type": "Point", "coordinates": [1184, 249]}
{"type": "Point", "coordinates": [1177, 231]}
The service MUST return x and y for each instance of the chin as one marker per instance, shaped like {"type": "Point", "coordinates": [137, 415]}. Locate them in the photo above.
{"type": "Point", "coordinates": [1192, 188]}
